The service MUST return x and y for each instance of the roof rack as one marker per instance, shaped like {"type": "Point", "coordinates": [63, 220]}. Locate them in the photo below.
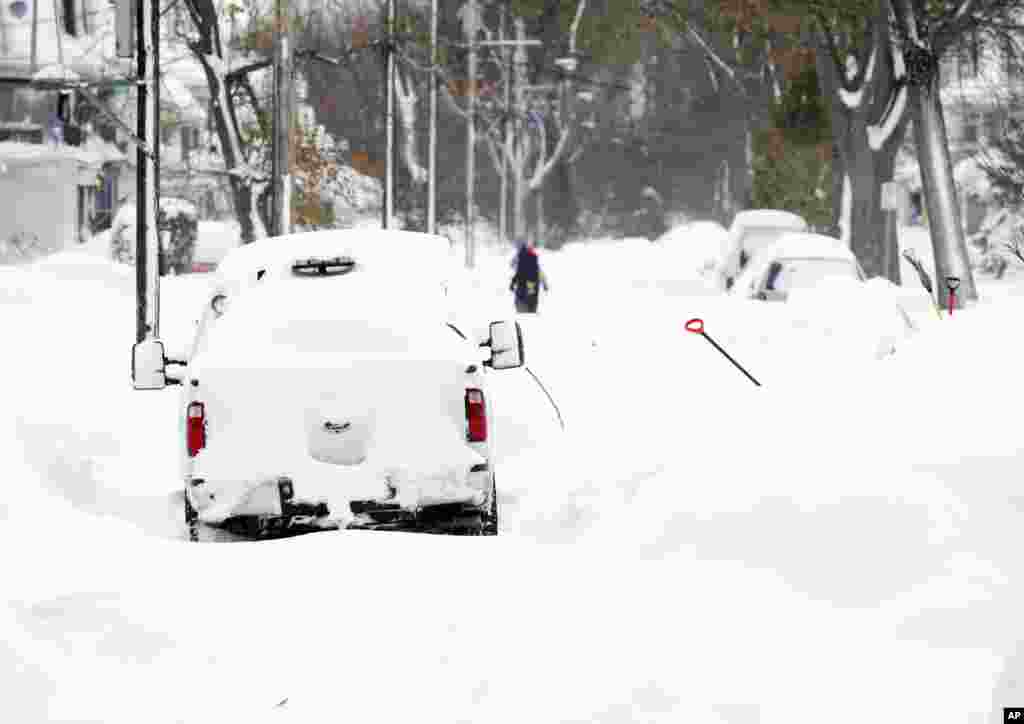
{"type": "Point", "coordinates": [323, 267]}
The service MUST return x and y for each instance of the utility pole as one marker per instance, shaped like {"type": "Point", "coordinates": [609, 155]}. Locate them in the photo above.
{"type": "Point", "coordinates": [147, 189]}
{"type": "Point", "coordinates": [471, 31]}
{"type": "Point", "coordinates": [519, 75]}
{"type": "Point", "coordinates": [471, 28]}
{"type": "Point", "coordinates": [503, 207]}
{"type": "Point", "coordinates": [389, 159]}
{"type": "Point", "coordinates": [432, 153]}
{"type": "Point", "coordinates": [282, 118]}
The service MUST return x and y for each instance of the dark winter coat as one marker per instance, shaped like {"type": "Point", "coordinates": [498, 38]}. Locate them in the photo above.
{"type": "Point", "coordinates": [527, 280]}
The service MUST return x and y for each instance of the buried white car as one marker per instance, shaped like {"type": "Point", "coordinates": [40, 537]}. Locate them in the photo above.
{"type": "Point", "coordinates": [328, 386]}
{"type": "Point", "coordinates": [795, 261]}
{"type": "Point", "coordinates": [752, 231]}
{"type": "Point", "coordinates": [826, 289]}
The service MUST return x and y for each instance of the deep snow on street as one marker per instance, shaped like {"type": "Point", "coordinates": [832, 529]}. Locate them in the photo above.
{"type": "Point", "coordinates": [842, 541]}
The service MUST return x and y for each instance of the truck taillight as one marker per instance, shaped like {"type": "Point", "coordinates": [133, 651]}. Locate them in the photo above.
{"type": "Point", "coordinates": [196, 428]}
{"type": "Point", "coordinates": [476, 415]}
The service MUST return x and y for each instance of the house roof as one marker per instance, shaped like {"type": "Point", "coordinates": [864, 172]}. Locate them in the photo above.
{"type": "Point", "coordinates": [14, 154]}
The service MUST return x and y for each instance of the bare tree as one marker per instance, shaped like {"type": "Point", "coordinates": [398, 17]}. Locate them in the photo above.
{"type": "Point", "coordinates": [530, 159]}
{"type": "Point", "coordinates": [247, 184]}
{"type": "Point", "coordinates": [925, 32]}
{"type": "Point", "coordinates": [744, 68]}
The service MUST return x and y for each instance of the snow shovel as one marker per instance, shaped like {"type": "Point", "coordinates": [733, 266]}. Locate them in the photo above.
{"type": "Point", "coordinates": [926, 280]}
{"type": "Point", "coordinates": [697, 327]}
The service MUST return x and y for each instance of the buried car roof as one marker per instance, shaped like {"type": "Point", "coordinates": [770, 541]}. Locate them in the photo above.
{"type": "Point", "coordinates": [772, 218]}
{"type": "Point", "coordinates": [806, 245]}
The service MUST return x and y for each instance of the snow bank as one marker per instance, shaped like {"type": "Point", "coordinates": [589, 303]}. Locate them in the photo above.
{"type": "Point", "coordinates": [737, 552]}
{"type": "Point", "coordinates": [860, 318]}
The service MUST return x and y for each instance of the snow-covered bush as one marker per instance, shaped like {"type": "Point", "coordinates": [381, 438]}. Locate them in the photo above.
{"type": "Point", "coordinates": [179, 224]}
{"type": "Point", "coordinates": [991, 247]}
{"type": "Point", "coordinates": [122, 235]}
{"type": "Point", "coordinates": [21, 247]}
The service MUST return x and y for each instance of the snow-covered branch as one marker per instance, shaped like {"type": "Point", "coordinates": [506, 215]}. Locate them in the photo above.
{"type": "Point", "coordinates": [443, 79]}
{"type": "Point", "coordinates": [544, 166]}
{"type": "Point", "coordinates": [710, 53]}
{"type": "Point", "coordinates": [580, 7]}
{"type": "Point", "coordinates": [880, 133]}
{"type": "Point", "coordinates": [406, 98]}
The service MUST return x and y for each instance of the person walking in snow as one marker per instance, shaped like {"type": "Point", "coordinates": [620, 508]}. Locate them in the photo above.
{"type": "Point", "coordinates": [527, 280]}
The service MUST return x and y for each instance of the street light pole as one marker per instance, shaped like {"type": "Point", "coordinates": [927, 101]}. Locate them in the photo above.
{"type": "Point", "coordinates": [282, 119]}
{"type": "Point", "coordinates": [389, 159]}
{"type": "Point", "coordinates": [471, 28]}
{"type": "Point", "coordinates": [471, 136]}
{"type": "Point", "coordinates": [503, 207]}
{"type": "Point", "coordinates": [147, 188]}
{"type": "Point", "coordinates": [432, 180]}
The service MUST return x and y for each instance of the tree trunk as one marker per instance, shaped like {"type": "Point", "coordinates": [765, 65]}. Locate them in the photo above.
{"type": "Point", "coordinates": [859, 168]}
{"type": "Point", "coordinates": [542, 231]}
{"type": "Point", "coordinates": [518, 200]}
{"type": "Point", "coordinates": [940, 195]}
{"type": "Point", "coordinates": [885, 160]}
{"type": "Point", "coordinates": [244, 188]}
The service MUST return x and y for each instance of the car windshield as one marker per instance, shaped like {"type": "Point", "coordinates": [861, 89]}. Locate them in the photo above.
{"type": "Point", "coordinates": [806, 273]}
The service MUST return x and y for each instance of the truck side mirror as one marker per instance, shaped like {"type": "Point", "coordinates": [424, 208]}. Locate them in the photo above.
{"type": "Point", "coordinates": [506, 345]}
{"type": "Point", "coordinates": [149, 365]}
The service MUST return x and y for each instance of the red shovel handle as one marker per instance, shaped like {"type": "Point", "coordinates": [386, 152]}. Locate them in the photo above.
{"type": "Point", "coordinates": [696, 326]}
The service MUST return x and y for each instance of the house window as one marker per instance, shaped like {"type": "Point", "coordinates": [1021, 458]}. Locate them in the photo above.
{"type": "Point", "coordinates": [969, 131]}
{"type": "Point", "coordinates": [994, 125]}
{"type": "Point", "coordinates": [68, 6]}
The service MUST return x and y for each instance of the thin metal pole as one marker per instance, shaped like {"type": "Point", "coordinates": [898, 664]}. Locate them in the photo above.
{"type": "Point", "coordinates": [282, 118]}
{"type": "Point", "coordinates": [156, 255]}
{"type": "Point", "coordinates": [471, 137]}
{"type": "Point", "coordinates": [432, 181]}
{"type": "Point", "coordinates": [142, 328]}
{"type": "Point", "coordinates": [35, 37]}
{"type": "Point", "coordinates": [389, 161]}
{"type": "Point", "coordinates": [729, 357]}
{"type": "Point", "coordinates": [503, 205]}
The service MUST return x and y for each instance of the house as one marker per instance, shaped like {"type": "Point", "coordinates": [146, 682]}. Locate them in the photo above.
{"type": "Point", "coordinates": [57, 171]}
{"type": "Point", "coordinates": [190, 165]}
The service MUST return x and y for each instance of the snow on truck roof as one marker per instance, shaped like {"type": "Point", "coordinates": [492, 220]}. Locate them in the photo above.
{"type": "Point", "coordinates": [396, 252]}
{"type": "Point", "coordinates": [772, 218]}
{"type": "Point", "coordinates": [806, 245]}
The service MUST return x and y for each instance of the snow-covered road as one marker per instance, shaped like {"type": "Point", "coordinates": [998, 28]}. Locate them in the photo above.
{"type": "Point", "coordinates": [844, 539]}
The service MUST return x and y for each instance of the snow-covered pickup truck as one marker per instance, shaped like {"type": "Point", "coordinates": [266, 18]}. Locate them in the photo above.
{"type": "Point", "coordinates": [329, 386]}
